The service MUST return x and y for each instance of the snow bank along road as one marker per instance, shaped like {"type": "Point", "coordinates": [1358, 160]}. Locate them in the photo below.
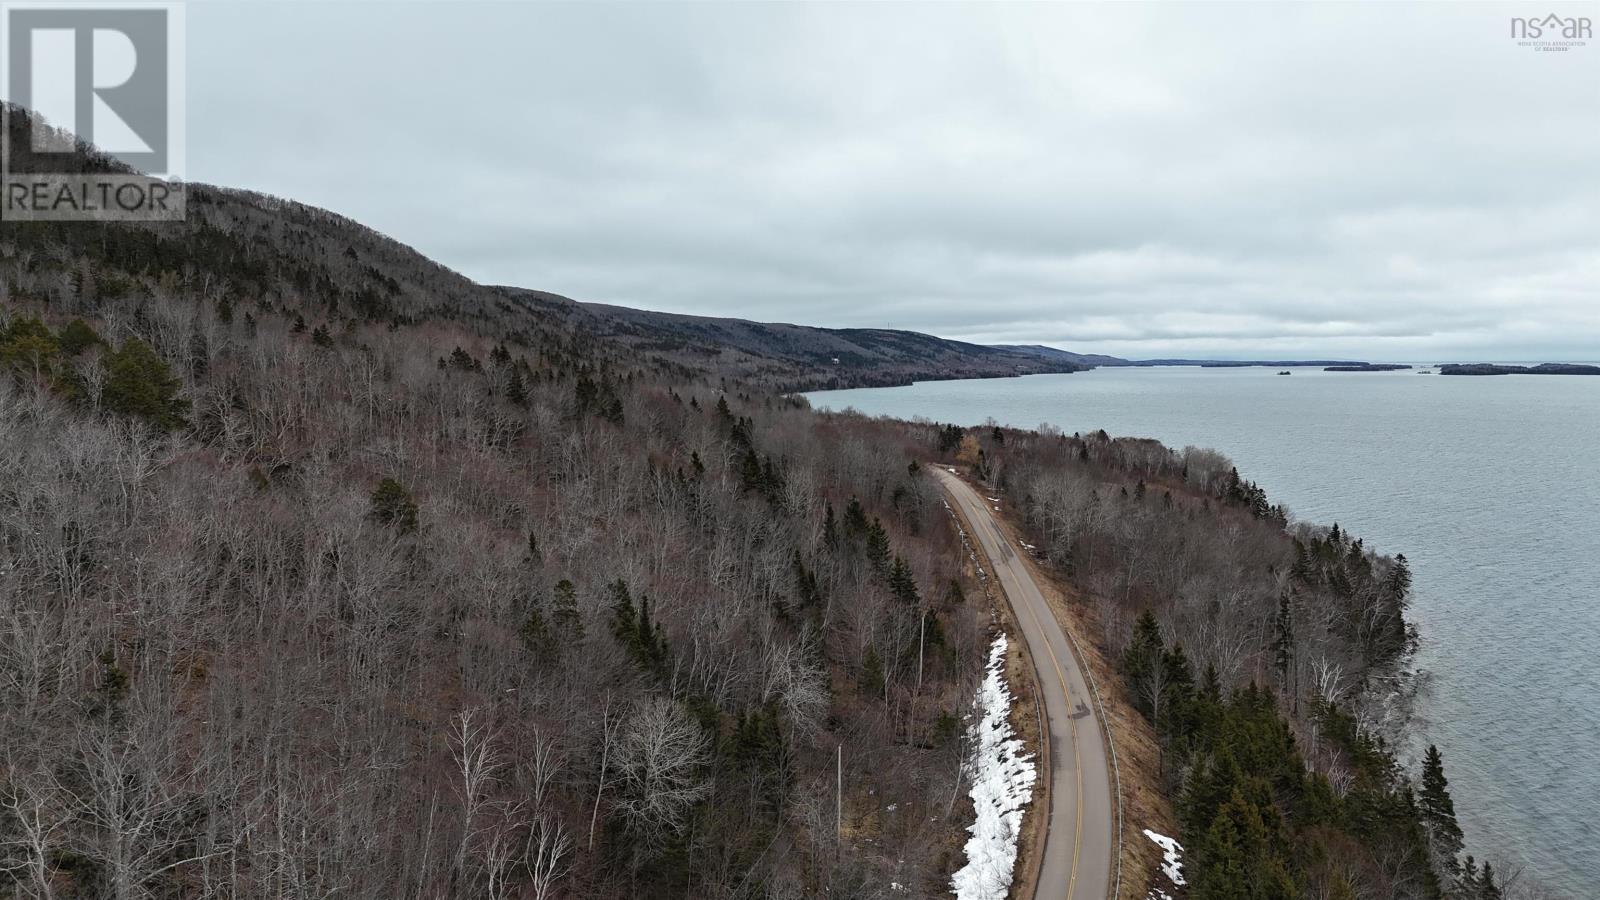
{"type": "Point", "coordinates": [1081, 832]}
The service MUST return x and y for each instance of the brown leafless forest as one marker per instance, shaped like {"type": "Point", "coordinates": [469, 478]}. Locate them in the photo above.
{"type": "Point", "coordinates": [325, 572]}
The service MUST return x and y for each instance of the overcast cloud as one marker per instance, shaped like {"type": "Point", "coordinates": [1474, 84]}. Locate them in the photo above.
{"type": "Point", "coordinates": [1347, 179]}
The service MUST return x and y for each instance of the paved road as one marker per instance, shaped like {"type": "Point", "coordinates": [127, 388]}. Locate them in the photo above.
{"type": "Point", "coordinates": [1077, 849]}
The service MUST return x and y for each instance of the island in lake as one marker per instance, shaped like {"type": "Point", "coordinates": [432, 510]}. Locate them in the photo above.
{"type": "Point", "coordinates": [1496, 369]}
{"type": "Point", "coordinates": [1366, 367]}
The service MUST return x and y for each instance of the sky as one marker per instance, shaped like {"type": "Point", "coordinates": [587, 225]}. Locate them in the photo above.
{"type": "Point", "coordinates": [1360, 180]}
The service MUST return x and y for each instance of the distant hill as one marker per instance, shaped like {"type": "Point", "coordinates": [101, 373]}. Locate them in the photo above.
{"type": "Point", "coordinates": [800, 357]}
{"type": "Point", "coordinates": [1098, 359]}
{"type": "Point", "coordinates": [1083, 359]}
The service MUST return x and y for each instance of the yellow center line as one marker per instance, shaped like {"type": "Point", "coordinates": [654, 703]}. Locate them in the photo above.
{"type": "Point", "coordinates": [1072, 724]}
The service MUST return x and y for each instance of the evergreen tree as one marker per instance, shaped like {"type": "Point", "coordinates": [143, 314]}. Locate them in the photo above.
{"type": "Point", "coordinates": [771, 481]}
{"type": "Point", "coordinates": [1318, 805]}
{"type": "Point", "coordinates": [1438, 811]}
{"type": "Point", "coordinates": [1397, 584]}
{"type": "Point", "coordinates": [27, 345]}
{"type": "Point", "coordinates": [750, 472]}
{"type": "Point", "coordinates": [1211, 685]}
{"type": "Point", "coordinates": [1301, 571]}
{"type": "Point", "coordinates": [1283, 649]}
{"type": "Point", "coordinates": [855, 519]}
{"type": "Point", "coordinates": [517, 389]}
{"type": "Point", "coordinates": [830, 530]}
{"type": "Point", "coordinates": [878, 546]}
{"type": "Point", "coordinates": [624, 617]}
{"type": "Point", "coordinates": [954, 595]}
{"type": "Point", "coordinates": [633, 629]}
{"type": "Point", "coordinates": [647, 632]}
{"type": "Point", "coordinates": [757, 741]}
{"type": "Point", "coordinates": [564, 612]}
{"type": "Point", "coordinates": [1214, 779]}
{"type": "Point", "coordinates": [612, 411]}
{"type": "Point", "coordinates": [903, 584]}
{"type": "Point", "coordinates": [536, 635]}
{"type": "Point", "coordinates": [872, 673]}
{"type": "Point", "coordinates": [392, 505]}
{"type": "Point", "coordinates": [1225, 856]}
{"type": "Point", "coordinates": [949, 438]}
{"type": "Point", "coordinates": [1178, 687]}
{"type": "Point", "coordinates": [140, 383]}
{"type": "Point", "coordinates": [1487, 888]}
{"type": "Point", "coordinates": [805, 584]}
{"type": "Point", "coordinates": [77, 337]}
{"type": "Point", "coordinates": [1143, 657]}
{"type": "Point", "coordinates": [1241, 856]}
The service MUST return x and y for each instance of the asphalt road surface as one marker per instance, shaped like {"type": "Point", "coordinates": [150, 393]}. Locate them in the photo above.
{"type": "Point", "coordinates": [1077, 862]}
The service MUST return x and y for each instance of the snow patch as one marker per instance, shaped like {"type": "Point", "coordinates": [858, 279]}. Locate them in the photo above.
{"type": "Point", "coordinates": [1171, 856]}
{"type": "Point", "coordinates": [1002, 783]}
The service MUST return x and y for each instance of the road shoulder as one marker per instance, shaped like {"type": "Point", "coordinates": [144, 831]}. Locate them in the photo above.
{"type": "Point", "coordinates": [1022, 674]}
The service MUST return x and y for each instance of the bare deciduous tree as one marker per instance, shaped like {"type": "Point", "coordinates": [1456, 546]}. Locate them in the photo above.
{"type": "Point", "coordinates": [474, 747]}
{"type": "Point", "coordinates": [659, 755]}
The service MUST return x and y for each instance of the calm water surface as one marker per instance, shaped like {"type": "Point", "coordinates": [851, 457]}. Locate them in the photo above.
{"type": "Point", "coordinates": [1490, 487]}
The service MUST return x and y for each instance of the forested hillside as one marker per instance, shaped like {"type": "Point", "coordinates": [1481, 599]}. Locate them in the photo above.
{"type": "Point", "coordinates": [797, 357]}
{"type": "Point", "coordinates": [1267, 656]}
{"type": "Point", "coordinates": [326, 572]}
{"type": "Point", "coordinates": [307, 594]}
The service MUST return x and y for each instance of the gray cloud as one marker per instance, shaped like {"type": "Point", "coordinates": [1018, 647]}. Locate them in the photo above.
{"type": "Point", "coordinates": [1387, 181]}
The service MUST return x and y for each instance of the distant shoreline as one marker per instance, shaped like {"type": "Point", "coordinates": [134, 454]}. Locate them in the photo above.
{"type": "Point", "coordinates": [1368, 367]}
{"type": "Point", "coordinates": [1498, 369]}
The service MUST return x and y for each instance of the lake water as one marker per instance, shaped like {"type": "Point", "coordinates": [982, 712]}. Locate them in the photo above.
{"type": "Point", "coordinates": [1491, 488]}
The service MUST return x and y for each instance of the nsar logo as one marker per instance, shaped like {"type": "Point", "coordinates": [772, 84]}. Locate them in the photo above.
{"type": "Point", "coordinates": [1553, 32]}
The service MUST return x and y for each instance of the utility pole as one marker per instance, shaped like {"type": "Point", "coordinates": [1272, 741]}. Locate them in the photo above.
{"type": "Point", "coordinates": [922, 633]}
